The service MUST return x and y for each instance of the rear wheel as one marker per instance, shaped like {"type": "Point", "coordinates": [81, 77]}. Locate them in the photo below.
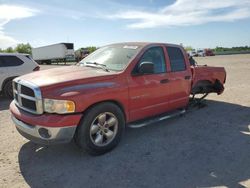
{"type": "Point", "coordinates": [7, 89]}
{"type": "Point", "coordinates": [100, 129]}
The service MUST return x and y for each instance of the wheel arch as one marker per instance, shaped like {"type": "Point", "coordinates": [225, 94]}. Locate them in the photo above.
{"type": "Point", "coordinates": [117, 103]}
{"type": "Point", "coordinates": [199, 85]}
{"type": "Point", "coordinates": [207, 86]}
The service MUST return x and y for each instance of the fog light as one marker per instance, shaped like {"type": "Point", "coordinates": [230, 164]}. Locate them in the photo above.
{"type": "Point", "coordinates": [44, 133]}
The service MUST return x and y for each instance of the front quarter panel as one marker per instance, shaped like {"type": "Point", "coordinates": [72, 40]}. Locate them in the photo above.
{"type": "Point", "coordinates": [87, 94]}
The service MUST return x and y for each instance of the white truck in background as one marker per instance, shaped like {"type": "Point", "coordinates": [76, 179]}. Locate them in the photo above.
{"type": "Point", "coordinates": [192, 53]}
{"type": "Point", "coordinates": [61, 52]}
{"type": "Point", "coordinates": [201, 53]}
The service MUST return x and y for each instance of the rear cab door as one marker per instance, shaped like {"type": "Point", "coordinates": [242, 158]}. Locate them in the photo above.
{"type": "Point", "coordinates": [180, 76]}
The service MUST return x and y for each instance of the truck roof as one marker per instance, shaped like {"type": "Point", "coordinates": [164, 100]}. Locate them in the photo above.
{"type": "Point", "coordinates": [144, 44]}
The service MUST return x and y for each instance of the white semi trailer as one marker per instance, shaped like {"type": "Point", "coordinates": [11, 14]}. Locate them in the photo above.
{"type": "Point", "coordinates": [60, 52]}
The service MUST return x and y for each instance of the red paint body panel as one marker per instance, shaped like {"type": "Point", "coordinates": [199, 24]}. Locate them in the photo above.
{"type": "Point", "coordinates": [148, 97]}
{"type": "Point", "coordinates": [208, 73]}
{"type": "Point", "coordinates": [68, 75]}
{"type": "Point", "coordinates": [139, 96]}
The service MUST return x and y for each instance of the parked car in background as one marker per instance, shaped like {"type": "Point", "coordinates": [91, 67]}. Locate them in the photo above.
{"type": "Point", "coordinates": [209, 52]}
{"type": "Point", "coordinates": [201, 53]}
{"type": "Point", "coordinates": [192, 53]}
{"type": "Point", "coordinates": [12, 66]}
{"type": "Point", "coordinates": [60, 52]}
{"type": "Point", "coordinates": [117, 85]}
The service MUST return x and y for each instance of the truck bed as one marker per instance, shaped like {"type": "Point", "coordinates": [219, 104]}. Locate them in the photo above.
{"type": "Point", "coordinates": [212, 77]}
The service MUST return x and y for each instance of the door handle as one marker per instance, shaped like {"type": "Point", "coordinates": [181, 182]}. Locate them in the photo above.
{"type": "Point", "coordinates": [164, 81]}
{"type": "Point", "coordinates": [187, 77]}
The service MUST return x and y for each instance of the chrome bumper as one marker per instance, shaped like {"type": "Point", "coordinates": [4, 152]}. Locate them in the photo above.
{"type": "Point", "coordinates": [44, 135]}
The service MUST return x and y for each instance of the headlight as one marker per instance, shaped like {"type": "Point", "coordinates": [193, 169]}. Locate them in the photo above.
{"type": "Point", "coordinates": [58, 106]}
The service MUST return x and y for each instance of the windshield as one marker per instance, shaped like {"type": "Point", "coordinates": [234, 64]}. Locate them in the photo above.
{"type": "Point", "coordinates": [113, 57]}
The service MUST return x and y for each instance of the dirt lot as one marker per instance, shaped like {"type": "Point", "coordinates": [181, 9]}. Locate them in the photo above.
{"type": "Point", "coordinates": [204, 148]}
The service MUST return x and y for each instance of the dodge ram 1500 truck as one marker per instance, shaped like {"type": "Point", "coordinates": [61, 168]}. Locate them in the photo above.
{"type": "Point", "coordinates": [119, 84]}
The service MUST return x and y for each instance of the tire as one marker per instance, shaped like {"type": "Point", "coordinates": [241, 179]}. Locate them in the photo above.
{"type": "Point", "coordinates": [8, 90]}
{"type": "Point", "coordinates": [100, 129]}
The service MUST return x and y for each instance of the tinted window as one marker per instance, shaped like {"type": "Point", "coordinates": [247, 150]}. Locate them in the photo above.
{"type": "Point", "coordinates": [10, 61]}
{"type": "Point", "coordinates": [177, 61]}
{"type": "Point", "coordinates": [156, 56]}
{"type": "Point", "coordinates": [1, 61]}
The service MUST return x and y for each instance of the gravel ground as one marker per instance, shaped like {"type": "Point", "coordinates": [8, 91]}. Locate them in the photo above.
{"type": "Point", "coordinates": [206, 147]}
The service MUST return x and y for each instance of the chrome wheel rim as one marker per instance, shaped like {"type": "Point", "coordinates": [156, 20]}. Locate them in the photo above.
{"type": "Point", "coordinates": [103, 129]}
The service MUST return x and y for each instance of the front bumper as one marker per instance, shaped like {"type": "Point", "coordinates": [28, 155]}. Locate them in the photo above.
{"type": "Point", "coordinates": [46, 128]}
{"type": "Point", "coordinates": [44, 135]}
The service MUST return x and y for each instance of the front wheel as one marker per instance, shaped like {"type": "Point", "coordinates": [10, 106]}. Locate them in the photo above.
{"type": "Point", "coordinates": [101, 128]}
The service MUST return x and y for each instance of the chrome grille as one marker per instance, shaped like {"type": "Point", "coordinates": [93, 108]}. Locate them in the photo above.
{"type": "Point", "coordinates": [27, 96]}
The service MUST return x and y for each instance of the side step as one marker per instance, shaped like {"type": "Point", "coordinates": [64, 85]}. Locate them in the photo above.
{"type": "Point", "coordinates": [143, 123]}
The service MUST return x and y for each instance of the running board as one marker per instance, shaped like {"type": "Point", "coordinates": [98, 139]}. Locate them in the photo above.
{"type": "Point", "coordinates": [143, 123]}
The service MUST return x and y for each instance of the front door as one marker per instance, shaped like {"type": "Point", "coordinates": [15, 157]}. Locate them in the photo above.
{"type": "Point", "coordinates": [148, 94]}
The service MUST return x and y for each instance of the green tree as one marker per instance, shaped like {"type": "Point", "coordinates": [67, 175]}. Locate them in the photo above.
{"type": "Point", "coordinates": [23, 48]}
{"type": "Point", "coordinates": [9, 50]}
{"type": "Point", "coordinates": [91, 48]}
{"type": "Point", "coordinates": [188, 48]}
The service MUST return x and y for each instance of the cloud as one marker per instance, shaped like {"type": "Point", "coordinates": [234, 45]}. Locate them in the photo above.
{"type": "Point", "coordinates": [9, 13]}
{"type": "Point", "coordinates": [187, 12]}
{"type": "Point", "coordinates": [6, 41]}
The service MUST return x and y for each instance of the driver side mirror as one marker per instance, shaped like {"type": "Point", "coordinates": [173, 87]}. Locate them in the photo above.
{"type": "Point", "coordinates": [146, 68]}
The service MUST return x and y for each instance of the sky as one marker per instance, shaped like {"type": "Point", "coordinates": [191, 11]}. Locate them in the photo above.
{"type": "Point", "coordinates": [196, 23]}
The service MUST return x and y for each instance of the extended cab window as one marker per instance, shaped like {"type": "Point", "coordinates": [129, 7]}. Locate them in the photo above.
{"type": "Point", "coordinates": [177, 61]}
{"type": "Point", "coordinates": [156, 56]}
{"type": "Point", "coordinates": [10, 61]}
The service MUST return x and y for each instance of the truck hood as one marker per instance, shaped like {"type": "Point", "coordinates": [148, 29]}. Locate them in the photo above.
{"type": "Point", "coordinates": [67, 74]}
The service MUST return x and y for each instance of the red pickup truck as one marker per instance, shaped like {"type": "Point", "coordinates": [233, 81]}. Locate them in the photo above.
{"type": "Point", "coordinates": [119, 84]}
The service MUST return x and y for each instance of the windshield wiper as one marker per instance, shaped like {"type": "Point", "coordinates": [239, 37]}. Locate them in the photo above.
{"type": "Point", "coordinates": [97, 64]}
